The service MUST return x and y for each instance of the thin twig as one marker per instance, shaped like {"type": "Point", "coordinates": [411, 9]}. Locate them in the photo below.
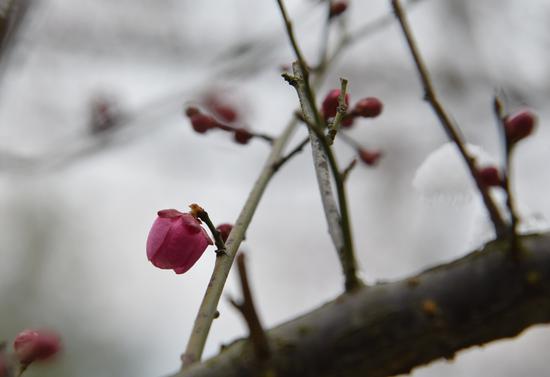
{"type": "Point", "coordinates": [334, 127]}
{"type": "Point", "coordinates": [291, 154]}
{"type": "Point", "coordinates": [292, 37]}
{"type": "Point", "coordinates": [448, 126]}
{"type": "Point", "coordinates": [248, 310]}
{"type": "Point", "coordinates": [348, 169]}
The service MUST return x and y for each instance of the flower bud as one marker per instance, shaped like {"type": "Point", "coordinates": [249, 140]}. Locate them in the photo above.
{"type": "Point", "coordinates": [337, 8]}
{"type": "Point", "coordinates": [192, 110]}
{"type": "Point", "coordinates": [176, 241]}
{"type": "Point", "coordinates": [330, 103]}
{"type": "Point", "coordinates": [347, 121]}
{"type": "Point", "coordinates": [369, 157]}
{"type": "Point", "coordinates": [519, 125]}
{"type": "Point", "coordinates": [35, 345]}
{"type": "Point", "coordinates": [490, 176]}
{"type": "Point", "coordinates": [226, 113]}
{"type": "Point", "coordinates": [224, 230]}
{"type": "Point", "coordinates": [242, 136]}
{"type": "Point", "coordinates": [369, 107]}
{"type": "Point", "coordinates": [202, 123]}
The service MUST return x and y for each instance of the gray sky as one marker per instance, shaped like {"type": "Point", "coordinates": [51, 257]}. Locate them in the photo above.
{"type": "Point", "coordinates": [76, 209]}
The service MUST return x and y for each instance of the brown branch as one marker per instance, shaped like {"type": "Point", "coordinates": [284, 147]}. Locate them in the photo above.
{"type": "Point", "coordinates": [450, 129]}
{"type": "Point", "coordinates": [391, 328]}
{"type": "Point", "coordinates": [248, 310]}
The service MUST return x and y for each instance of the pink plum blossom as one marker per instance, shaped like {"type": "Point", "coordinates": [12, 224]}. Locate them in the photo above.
{"type": "Point", "coordinates": [176, 241]}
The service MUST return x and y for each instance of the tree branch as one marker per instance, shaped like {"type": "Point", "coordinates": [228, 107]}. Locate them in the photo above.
{"type": "Point", "coordinates": [501, 229]}
{"type": "Point", "coordinates": [391, 328]}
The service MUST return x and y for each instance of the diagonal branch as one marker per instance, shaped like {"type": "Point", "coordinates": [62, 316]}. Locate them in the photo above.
{"type": "Point", "coordinates": [449, 127]}
{"type": "Point", "coordinates": [391, 328]}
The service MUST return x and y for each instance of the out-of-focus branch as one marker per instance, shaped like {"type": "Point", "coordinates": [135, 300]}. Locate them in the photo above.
{"type": "Point", "coordinates": [247, 308]}
{"type": "Point", "coordinates": [391, 328]}
{"type": "Point", "coordinates": [12, 13]}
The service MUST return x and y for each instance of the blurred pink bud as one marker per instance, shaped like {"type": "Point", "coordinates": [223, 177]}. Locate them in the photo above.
{"type": "Point", "coordinates": [369, 157]}
{"type": "Point", "coordinates": [202, 123]}
{"type": "Point", "coordinates": [347, 121]}
{"type": "Point", "coordinates": [242, 136]}
{"type": "Point", "coordinates": [224, 230]}
{"type": "Point", "coordinates": [221, 106]}
{"type": "Point", "coordinates": [490, 176]}
{"type": "Point", "coordinates": [226, 112]}
{"type": "Point", "coordinates": [337, 8]}
{"type": "Point", "coordinates": [330, 103]}
{"type": "Point", "coordinates": [36, 345]}
{"type": "Point", "coordinates": [176, 241]}
{"type": "Point", "coordinates": [192, 110]}
{"type": "Point", "coordinates": [369, 107]}
{"type": "Point", "coordinates": [519, 125]}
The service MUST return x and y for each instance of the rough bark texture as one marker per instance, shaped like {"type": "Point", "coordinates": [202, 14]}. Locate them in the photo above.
{"type": "Point", "coordinates": [390, 328]}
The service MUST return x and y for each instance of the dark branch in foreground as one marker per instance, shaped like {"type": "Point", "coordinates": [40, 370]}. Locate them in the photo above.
{"type": "Point", "coordinates": [391, 328]}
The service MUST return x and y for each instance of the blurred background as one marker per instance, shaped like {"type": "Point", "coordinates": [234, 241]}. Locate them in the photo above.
{"type": "Point", "coordinates": [93, 142]}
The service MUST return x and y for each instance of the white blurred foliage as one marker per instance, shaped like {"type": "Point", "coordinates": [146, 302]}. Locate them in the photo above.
{"type": "Point", "coordinates": [444, 176]}
{"type": "Point", "coordinates": [443, 179]}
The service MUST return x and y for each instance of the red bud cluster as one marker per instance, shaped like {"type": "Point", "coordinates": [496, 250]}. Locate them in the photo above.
{"type": "Point", "coordinates": [369, 107]}
{"type": "Point", "coordinates": [202, 123]}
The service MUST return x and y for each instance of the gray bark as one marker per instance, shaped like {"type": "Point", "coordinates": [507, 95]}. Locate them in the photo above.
{"type": "Point", "coordinates": [390, 328]}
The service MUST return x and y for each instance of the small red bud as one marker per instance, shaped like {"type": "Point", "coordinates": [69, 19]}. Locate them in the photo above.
{"type": "Point", "coordinates": [202, 123]}
{"type": "Point", "coordinates": [369, 107]}
{"type": "Point", "coordinates": [224, 230]}
{"type": "Point", "coordinates": [225, 112]}
{"type": "Point", "coordinates": [191, 110]}
{"type": "Point", "coordinates": [347, 121]}
{"type": "Point", "coordinates": [490, 176]}
{"type": "Point", "coordinates": [369, 157]}
{"type": "Point", "coordinates": [330, 103]}
{"type": "Point", "coordinates": [221, 106]}
{"type": "Point", "coordinates": [337, 8]}
{"type": "Point", "coordinates": [242, 136]}
{"type": "Point", "coordinates": [35, 345]}
{"type": "Point", "coordinates": [519, 125]}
